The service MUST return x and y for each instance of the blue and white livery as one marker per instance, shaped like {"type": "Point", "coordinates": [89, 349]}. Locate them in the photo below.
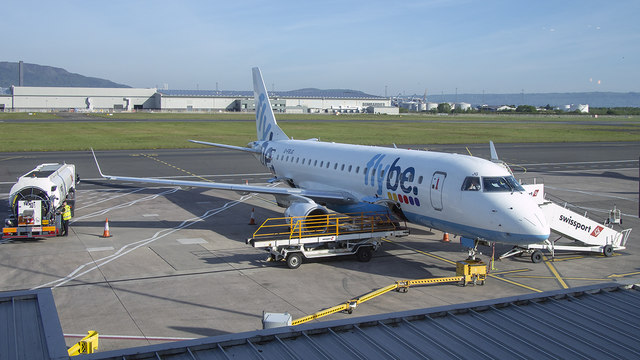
{"type": "Point", "coordinates": [459, 194]}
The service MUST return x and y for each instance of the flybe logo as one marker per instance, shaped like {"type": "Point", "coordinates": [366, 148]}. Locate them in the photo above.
{"type": "Point", "coordinates": [264, 128]}
{"type": "Point", "coordinates": [392, 178]}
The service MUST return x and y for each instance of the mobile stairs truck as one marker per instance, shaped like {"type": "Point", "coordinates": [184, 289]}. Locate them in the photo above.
{"type": "Point", "coordinates": [585, 234]}
{"type": "Point", "coordinates": [35, 201]}
{"type": "Point", "coordinates": [318, 236]}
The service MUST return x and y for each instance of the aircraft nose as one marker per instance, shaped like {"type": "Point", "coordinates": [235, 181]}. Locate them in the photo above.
{"type": "Point", "coordinates": [538, 221]}
{"type": "Point", "coordinates": [533, 223]}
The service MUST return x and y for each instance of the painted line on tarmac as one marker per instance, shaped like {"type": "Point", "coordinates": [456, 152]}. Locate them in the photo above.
{"type": "Point", "coordinates": [582, 162]}
{"type": "Point", "coordinates": [124, 205]}
{"type": "Point", "coordinates": [592, 193]}
{"type": "Point", "coordinates": [120, 194]}
{"type": "Point", "coordinates": [553, 277]}
{"type": "Point", "coordinates": [421, 252]}
{"type": "Point", "coordinates": [513, 282]}
{"type": "Point", "coordinates": [555, 272]}
{"type": "Point", "coordinates": [126, 249]}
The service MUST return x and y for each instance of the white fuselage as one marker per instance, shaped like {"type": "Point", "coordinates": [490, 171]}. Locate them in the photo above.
{"type": "Point", "coordinates": [427, 185]}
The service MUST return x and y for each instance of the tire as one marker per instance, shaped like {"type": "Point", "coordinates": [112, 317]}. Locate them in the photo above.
{"type": "Point", "coordinates": [536, 257]}
{"type": "Point", "coordinates": [294, 260]}
{"type": "Point", "coordinates": [607, 250]}
{"type": "Point", "coordinates": [364, 253]}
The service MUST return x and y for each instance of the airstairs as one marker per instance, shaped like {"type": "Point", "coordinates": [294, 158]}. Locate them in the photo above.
{"type": "Point", "coordinates": [570, 223]}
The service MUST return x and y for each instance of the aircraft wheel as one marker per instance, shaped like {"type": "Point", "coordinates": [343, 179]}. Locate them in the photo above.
{"type": "Point", "coordinates": [607, 250]}
{"type": "Point", "coordinates": [536, 257]}
{"type": "Point", "coordinates": [294, 260]}
{"type": "Point", "coordinates": [364, 253]}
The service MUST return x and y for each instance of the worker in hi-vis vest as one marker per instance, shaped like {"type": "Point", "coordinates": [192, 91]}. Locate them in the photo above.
{"type": "Point", "coordinates": [66, 216]}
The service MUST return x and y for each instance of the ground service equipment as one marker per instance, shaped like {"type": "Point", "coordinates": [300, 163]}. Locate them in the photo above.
{"type": "Point", "coordinates": [35, 201]}
{"type": "Point", "coordinates": [569, 223]}
{"type": "Point", "coordinates": [316, 236]}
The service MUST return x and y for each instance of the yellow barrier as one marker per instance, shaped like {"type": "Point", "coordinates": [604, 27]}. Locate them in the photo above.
{"type": "Point", "coordinates": [467, 271]}
{"type": "Point", "coordinates": [327, 225]}
{"type": "Point", "coordinates": [88, 345]}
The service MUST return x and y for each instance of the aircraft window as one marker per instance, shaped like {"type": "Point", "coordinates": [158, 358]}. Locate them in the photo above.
{"type": "Point", "coordinates": [365, 170]}
{"type": "Point", "coordinates": [315, 163]}
{"type": "Point", "coordinates": [373, 173]}
{"type": "Point", "coordinates": [494, 184]}
{"type": "Point", "coordinates": [382, 174]}
{"type": "Point", "coordinates": [342, 167]}
{"type": "Point", "coordinates": [471, 183]}
{"type": "Point", "coordinates": [357, 169]}
{"type": "Point", "coordinates": [335, 166]}
{"type": "Point", "coordinates": [287, 158]}
{"type": "Point", "coordinates": [321, 163]}
{"type": "Point", "coordinates": [297, 160]}
{"type": "Point", "coordinates": [328, 163]}
{"type": "Point", "coordinates": [420, 180]}
{"type": "Point", "coordinates": [514, 184]}
{"type": "Point", "coordinates": [350, 166]}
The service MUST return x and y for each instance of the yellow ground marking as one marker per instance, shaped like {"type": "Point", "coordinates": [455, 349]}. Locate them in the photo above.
{"type": "Point", "coordinates": [509, 271]}
{"type": "Point", "coordinates": [557, 259]}
{"type": "Point", "coordinates": [553, 277]}
{"type": "Point", "coordinates": [13, 158]}
{"type": "Point", "coordinates": [422, 252]}
{"type": "Point", "coordinates": [513, 282]}
{"type": "Point", "coordinates": [152, 157]}
{"type": "Point", "coordinates": [555, 272]}
{"type": "Point", "coordinates": [623, 275]}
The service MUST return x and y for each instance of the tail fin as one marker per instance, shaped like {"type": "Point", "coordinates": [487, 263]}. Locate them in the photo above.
{"type": "Point", "coordinates": [266, 124]}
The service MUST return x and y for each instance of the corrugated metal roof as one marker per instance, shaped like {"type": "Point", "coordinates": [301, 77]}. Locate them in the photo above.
{"type": "Point", "coordinates": [29, 326]}
{"type": "Point", "coordinates": [601, 321]}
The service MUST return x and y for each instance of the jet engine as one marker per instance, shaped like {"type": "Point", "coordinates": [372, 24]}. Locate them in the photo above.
{"type": "Point", "coordinates": [305, 209]}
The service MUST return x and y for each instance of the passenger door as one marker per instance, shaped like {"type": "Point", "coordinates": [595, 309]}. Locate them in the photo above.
{"type": "Point", "coordinates": [437, 184]}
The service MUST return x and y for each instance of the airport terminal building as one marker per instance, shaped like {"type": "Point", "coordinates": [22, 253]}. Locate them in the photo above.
{"type": "Point", "coordinates": [45, 99]}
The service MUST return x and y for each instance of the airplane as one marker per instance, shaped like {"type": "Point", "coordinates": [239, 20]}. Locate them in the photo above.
{"type": "Point", "coordinates": [459, 194]}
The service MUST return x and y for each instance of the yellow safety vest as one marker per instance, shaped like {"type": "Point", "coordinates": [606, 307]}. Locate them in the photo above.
{"type": "Point", "coordinates": [66, 213]}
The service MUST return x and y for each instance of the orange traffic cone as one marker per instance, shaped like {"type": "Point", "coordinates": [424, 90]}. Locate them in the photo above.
{"type": "Point", "coordinates": [106, 233]}
{"type": "Point", "coordinates": [445, 237]}
{"type": "Point", "coordinates": [252, 221]}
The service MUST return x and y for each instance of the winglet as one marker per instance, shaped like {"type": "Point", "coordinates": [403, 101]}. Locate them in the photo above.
{"type": "Point", "coordinates": [98, 165]}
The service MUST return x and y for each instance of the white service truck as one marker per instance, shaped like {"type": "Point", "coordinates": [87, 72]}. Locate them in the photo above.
{"type": "Point", "coordinates": [35, 201]}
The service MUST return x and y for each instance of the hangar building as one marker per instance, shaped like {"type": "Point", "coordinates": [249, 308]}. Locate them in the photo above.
{"type": "Point", "coordinates": [31, 98]}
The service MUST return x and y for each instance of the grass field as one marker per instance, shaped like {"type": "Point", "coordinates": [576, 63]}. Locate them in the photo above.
{"type": "Point", "coordinates": [43, 135]}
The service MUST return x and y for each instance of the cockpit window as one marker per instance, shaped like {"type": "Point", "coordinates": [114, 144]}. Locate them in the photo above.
{"type": "Point", "coordinates": [471, 183]}
{"type": "Point", "coordinates": [501, 184]}
{"type": "Point", "coordinates": [514, 183]}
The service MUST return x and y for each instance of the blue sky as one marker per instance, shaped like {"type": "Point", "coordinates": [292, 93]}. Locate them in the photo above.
{"type": "Point", "coordinates": [407, 47]}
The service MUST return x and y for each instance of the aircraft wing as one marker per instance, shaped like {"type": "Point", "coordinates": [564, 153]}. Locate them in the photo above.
{"type": "Point", "coordinates": [225, 146]}
{"type": "Point", "coordinates": [316, 195]}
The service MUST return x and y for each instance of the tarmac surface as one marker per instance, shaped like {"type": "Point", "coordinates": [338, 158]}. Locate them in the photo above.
{"type": "Point", "coordinates": [177, 265]}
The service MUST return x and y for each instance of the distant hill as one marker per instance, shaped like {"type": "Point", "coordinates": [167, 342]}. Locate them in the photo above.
{"type": "Point", "coordinates": [38, 75]}
{"type": "Point", "coordinates": [313, 92]}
